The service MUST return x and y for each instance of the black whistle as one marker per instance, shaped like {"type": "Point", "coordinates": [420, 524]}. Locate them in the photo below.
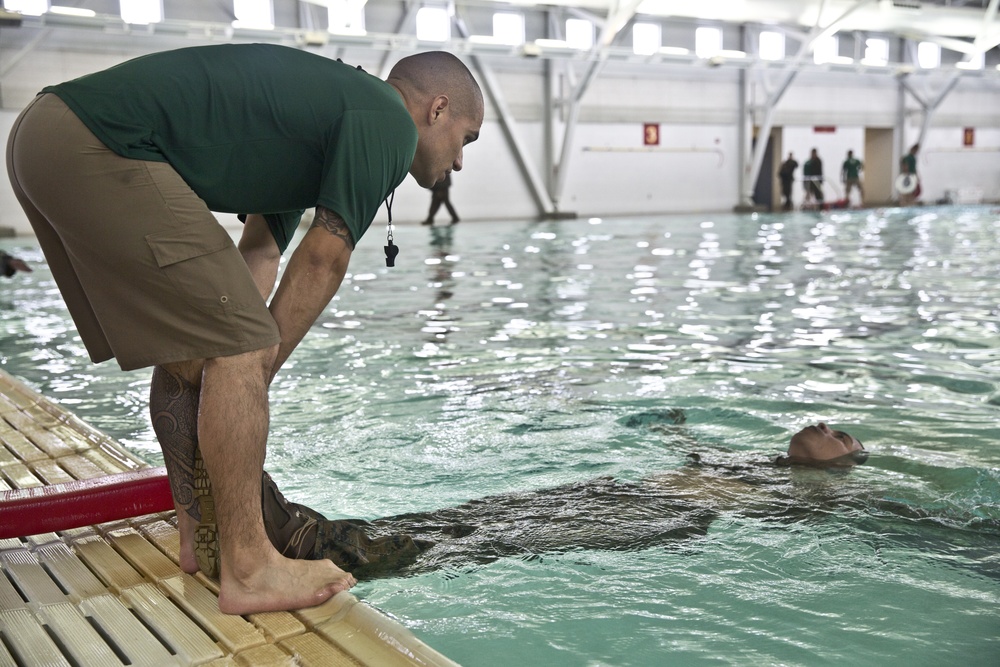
{"type": "Point", "coordinates": [390, 254]}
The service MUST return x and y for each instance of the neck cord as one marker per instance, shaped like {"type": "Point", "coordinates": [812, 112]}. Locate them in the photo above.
{"type": "Point", "coordinates": [390, 250]}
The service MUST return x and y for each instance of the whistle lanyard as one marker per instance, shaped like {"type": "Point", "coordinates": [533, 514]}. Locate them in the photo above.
{"type": "Point", "coordinates": [391, 250]}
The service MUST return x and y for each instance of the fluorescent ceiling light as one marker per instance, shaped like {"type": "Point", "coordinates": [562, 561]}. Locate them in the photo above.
{"type": "Point", "coordinates": [674, 51]}
{"type": "Point", "coordinates": [72, 11]}
{"type": "Point", "coordinates": [552, 43]}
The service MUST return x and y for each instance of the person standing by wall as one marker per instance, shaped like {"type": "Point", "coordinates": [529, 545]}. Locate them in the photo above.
{"type": "Point", "coordinates": [787, 175]}
{"type": "Point", "coordinates": [812, 177]}
{"type": "Point", "coordinates": [439, 195]}
{"type": "Point", "coordinates": [850, 175]}
{"type": "Point", "coordinates": [908, 183]}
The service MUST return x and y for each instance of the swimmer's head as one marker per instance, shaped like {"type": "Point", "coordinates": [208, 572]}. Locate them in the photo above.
{"type": "Point", "coordinates": [820, 446]}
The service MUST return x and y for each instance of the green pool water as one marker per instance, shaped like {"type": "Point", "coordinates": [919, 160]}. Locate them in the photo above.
{"type": "Point", "coordinates": [509, 356]}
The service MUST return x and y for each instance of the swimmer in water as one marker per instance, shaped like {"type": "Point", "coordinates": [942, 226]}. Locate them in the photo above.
{"type": "Point", "coordinates": [602, 513]}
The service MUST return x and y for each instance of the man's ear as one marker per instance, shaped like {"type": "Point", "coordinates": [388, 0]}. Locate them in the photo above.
{"type": "Point", "coordinates": [439, 106]}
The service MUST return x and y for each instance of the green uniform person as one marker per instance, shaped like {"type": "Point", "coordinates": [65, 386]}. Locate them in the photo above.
{"type": "Point", "coordinates": [850, 174]}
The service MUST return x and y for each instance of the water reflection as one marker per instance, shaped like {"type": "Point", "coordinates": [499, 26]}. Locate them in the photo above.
{"type": "Point", "coordinates": [506, 362]}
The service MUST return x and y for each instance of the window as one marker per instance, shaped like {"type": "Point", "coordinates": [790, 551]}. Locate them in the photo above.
{"type": "Point", "coordinates": [433, 24]}
{"type": "Point", "coordinates": [346, 17]}
{"type": "Point", "coordinates": [580, 34]}
{"type": "Point", "coordinates": [141, 11]}
{"type": "Point", "coordinates": [771, 45]}
{"type": "Point", "coordinates": [27, 7]}
{"type": "Point", "coordinates": [826, 49]}
{"type": "Point", "coordinates": [876, 52]}
{"type": "Point", "coordinates": [645, 38]}
{"type": "Point", "coordinates": [707, 42]}
{"type": "Point", "coordinates": [253, 14]}
{"type": "Point", "coordinates": [928, 55]}
{"type": "Point", "coordinates": [508, 28]}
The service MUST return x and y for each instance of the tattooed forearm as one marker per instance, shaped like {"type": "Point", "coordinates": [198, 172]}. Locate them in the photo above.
{"type": "Point", "coordinates": [333, 223]}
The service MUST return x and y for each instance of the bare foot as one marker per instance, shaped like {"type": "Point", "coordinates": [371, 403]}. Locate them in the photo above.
{"type": "Point", "coordinates": [186, 526]}
{"type": "Point", "coordinates": [282, 584]}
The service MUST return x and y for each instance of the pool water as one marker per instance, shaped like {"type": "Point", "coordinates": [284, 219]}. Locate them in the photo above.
{"type": "Point", "coordinates": [512, 356]}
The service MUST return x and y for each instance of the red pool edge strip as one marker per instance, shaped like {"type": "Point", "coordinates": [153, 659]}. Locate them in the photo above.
{"type": "Point", "coordinates": [84, 502]}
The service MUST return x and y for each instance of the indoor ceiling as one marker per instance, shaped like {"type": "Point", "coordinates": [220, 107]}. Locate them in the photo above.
{"type": "Point", "coordinates": [968, 19]}
{"type": "Point", "coordinates": [969, 27]}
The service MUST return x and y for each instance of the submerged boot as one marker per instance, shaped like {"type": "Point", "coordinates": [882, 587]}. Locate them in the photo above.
{"type": "Point", "coordinates": [297, 531]}
{"type": "Point", "coordinates": [300, 532]}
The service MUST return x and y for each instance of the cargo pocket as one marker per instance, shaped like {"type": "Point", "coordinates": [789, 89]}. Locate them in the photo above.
{"type": "Point", "coordinates": [205, 268]}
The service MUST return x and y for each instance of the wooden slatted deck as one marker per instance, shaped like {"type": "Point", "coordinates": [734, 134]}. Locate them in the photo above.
{"type": "Point", "coordinates": [113, 594]}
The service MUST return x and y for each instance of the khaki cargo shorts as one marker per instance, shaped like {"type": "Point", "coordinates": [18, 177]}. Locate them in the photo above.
{"type": "Point", "coordinates": [147, 272]}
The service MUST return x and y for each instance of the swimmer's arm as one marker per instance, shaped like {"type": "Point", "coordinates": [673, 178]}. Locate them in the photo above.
{"type": "Point", "coordinates": [312, 277]}
{"type": "Point", "coordinates": [260, 252]}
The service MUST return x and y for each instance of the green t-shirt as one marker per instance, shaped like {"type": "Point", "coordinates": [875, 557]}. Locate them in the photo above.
{"type": "Point", "coordinates": [852, 169]}
{"type": "Point", "coordinates": [910, 160]}
{"type": "Point", "coordinates": [256, 128]}
{"type": "Point", "coordinates": [813, 167]}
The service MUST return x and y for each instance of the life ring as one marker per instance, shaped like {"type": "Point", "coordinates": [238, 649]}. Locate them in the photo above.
{"type": "Point", "coordinates": [907, 184]}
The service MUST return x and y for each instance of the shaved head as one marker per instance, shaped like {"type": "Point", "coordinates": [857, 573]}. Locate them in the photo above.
{"type": "Point", "coordinates": [424, 76]}
{"type": "Point", "coordinates": [446, 106]}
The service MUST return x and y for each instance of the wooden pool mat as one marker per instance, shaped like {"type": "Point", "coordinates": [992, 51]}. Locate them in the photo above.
{"type": "Point", "coordinates": [113, 594]}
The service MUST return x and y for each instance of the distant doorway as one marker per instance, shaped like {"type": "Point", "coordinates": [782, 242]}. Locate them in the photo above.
{"type": "Point", "coordinates": [879, 168]}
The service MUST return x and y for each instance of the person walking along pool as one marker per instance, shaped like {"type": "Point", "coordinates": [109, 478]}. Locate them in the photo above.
{"type": "Point", "coordinates": [440, 195]}
{"type": "Point", "coordinates": [908, 182]}
{"type": "Point", "coordinates": [812, 177]}
{"type": "Point", "coordinates": [118, 173]}
{"type": "Point", "coordinates": [850, 175]}
{"type": "Point", "coordinates": [787, 175]}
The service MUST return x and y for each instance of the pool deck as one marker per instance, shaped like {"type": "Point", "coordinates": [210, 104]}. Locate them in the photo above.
{"type": "Point", "coordinates": [113, 594]}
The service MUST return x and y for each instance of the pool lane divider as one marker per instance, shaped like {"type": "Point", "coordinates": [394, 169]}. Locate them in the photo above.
{"type": "Point", "coordinates": [84, 502]}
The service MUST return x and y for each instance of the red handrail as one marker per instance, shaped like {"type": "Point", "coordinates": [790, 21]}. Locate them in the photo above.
{"type": "Point", "coordinates": [84, 502]}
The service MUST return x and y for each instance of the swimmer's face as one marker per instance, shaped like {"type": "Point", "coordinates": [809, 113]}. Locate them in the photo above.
{"type": "Point", "coordinates": [821, 445]}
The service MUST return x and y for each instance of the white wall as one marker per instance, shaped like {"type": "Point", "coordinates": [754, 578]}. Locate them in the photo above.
{"type": "Point", "coordinates": [696, 167]}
